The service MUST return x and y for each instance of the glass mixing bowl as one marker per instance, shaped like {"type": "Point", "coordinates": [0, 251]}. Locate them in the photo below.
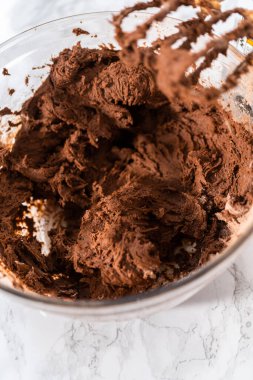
{"type": "Point", "coordinates": [26, 55]}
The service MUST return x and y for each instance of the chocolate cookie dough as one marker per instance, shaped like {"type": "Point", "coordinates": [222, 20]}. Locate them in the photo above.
{"type": "Point", "coordinates": [139, 177]}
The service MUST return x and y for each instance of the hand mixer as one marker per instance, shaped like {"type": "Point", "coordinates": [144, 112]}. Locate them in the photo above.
{"type": "Point", "coordinates": [174, 55]}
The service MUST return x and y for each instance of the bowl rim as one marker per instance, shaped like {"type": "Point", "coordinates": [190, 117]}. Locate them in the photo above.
{"type": "Point", "coordinates": [130, 303]}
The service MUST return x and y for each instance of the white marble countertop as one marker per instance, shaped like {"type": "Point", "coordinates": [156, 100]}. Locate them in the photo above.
{"type": "Point", "coordinates": [209, 337]}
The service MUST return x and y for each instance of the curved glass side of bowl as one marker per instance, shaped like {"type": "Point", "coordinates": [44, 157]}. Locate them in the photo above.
{"type": "Point", "coordinates": [27, 58]}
